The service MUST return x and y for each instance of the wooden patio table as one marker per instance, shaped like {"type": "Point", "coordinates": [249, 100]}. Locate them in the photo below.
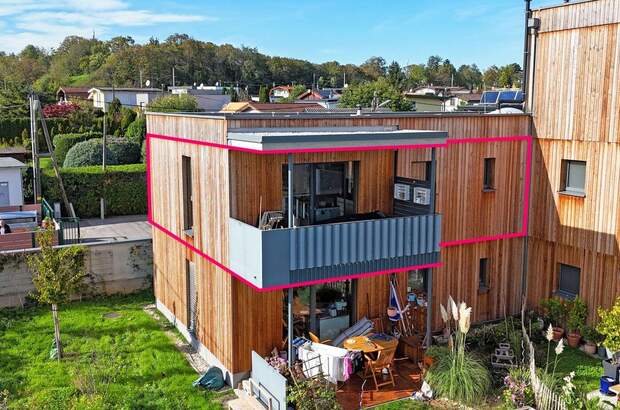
{"type": "Point", "coordinates": [368, 345]}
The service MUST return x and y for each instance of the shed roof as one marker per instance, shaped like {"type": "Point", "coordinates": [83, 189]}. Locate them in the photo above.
{"type": "Point", "coordinates": [10, 162]}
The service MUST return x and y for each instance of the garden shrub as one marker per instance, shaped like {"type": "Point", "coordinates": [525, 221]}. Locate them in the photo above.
{"type": "Point", "coordinates": [87, 153]}
{"type": "Point", "coordinates": [125, 152]}
{"type": "Point", "coordinates": [136, 131]}
{"type": "Point", "coordinates": [64, 142]}
{"type": "Point", "coordinates": [12, 130]}
{"type": "Point", "coordinates": [122, 186]}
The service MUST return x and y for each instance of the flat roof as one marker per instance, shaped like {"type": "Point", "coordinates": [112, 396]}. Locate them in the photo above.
{"type": "Point", "coordinates": [268, 139]}
{"type": "Point", "coordinates": [322, 114]}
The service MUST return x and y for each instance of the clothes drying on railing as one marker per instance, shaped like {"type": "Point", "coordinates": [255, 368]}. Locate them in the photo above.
{"type": "Point", "coordinates": [337, 364]}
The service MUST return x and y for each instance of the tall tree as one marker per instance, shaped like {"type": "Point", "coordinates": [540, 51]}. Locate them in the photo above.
{"type": "Point", "coordinates": [469, 76]}
{"type": "Point", "coordinates": [490, 77]}
{"type": "Point", "coordinates": [395, 74]}
{"type": "Point", "coordinates": [376, 92]}
{"type": "Point", "coordinates": [374, 68]}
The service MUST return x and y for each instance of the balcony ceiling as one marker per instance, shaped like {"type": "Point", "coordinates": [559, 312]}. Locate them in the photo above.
{"type": "Point", "coordinates": [285, 139]}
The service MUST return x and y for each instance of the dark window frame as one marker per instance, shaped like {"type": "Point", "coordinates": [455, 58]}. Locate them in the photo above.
{"type": "Point", "coordinates": [484, 283]}
{"type": "Point", "coordinates": [188, 200]}
{"type": "Point", "coordinates": [566, 292]}
{"type": "Point", "coordinates": [428, 169]}
{"type": "Point", "coordinates": [567, 166]}
{"type": "Point", "coordinates": [488, 174]}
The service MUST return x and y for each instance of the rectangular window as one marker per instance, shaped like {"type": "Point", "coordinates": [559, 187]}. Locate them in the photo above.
{"type": "Point", "coordinates": [573, 177]}
{"type": "Point", "coordinates": [569, 280]}
{"type": "Point", "coordinates": [489, 174]}
{"type": "Point", "coordinates": [417, 280]}
{"type": "Point", "coordinates": [483, 274]}
{"type": "Point", "coordinates": [188, 208]}
{"type": "Point", "coordinates": [421, 170]}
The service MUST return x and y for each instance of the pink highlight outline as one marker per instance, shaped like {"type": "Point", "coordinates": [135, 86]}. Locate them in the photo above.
{"type": "Point", "coordinates": [526, 198]}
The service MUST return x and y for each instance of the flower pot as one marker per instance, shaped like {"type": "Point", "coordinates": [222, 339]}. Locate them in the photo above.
{"type": "Point", "coordinates": [590, 348]}
{"type": "Point", "coordinates": [611, 370]}
{"type": "Point", "coordinates": [574, 338]}
{"type": "Point", "coordinates": [558, 332]}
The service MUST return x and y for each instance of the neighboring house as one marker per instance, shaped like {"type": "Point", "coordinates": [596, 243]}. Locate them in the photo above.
{"type": "Point", "coordinates": [459, 100]}
{"type": "Point", "coordinates": [439, 90]}
{"type": "Point", "coordinates": [512, 230]}
{"type": "Point", "coordinates": [129, 97]}
{"type": "Point", "coordinates": [251, 106]}
{"type": "Point", "coordinates": [426, 102]}
{"type": "Point", "coordinates": [492, 100]}
{"type": "Point", "coordinates": [209, 98]}
{"type": "Point", "coordinates": [11, 192]}
{"type": "Point", "coordinates": [279, 92]}
{"type": "Point", "coordinates": [65, 94]}
{"type": "Point", "coordinates": [327, 97]}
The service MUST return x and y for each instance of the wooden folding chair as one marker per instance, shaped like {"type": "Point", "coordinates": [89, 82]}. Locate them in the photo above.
{"type": "Point", "coordinates": [384, 360]}
{"type": "Point", "coordinates": [315, 339]}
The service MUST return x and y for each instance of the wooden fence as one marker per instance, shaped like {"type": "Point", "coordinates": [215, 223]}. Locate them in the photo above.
{"type": "Point", "coordinates": [546, 399]}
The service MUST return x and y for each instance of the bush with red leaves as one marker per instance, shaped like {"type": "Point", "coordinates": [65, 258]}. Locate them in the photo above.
{"type": "Point", "coordinates": [59, 110]}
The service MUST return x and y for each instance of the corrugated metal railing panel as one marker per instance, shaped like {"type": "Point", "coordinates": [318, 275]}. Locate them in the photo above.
{"type": "Point", "coordinates": [364, 241]}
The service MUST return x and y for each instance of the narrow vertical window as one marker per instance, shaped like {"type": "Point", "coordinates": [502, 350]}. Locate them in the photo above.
{"type": "Point", "coordinates": [188, 207]}
{"type": "Point", "coordinates": [191, 298]}
{"type": "Point", "coordinates": [483, 274]}
{"type": "Point", "coordinates": [489, 174]}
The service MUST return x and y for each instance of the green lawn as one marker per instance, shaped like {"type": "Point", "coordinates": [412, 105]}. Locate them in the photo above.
{"type": "Point", "coordinates": [588, 370]}
{"type": "Point", "coordinates": [126, 362]}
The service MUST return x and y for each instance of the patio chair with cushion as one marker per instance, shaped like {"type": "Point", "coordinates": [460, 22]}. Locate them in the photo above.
{"type": "Point", "coordinates": [384, 360]}
{"type": "Point", "coordinates": [362, 327]}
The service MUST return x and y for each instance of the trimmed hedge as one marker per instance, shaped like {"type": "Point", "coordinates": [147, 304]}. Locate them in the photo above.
{"type": "Point", "coordinates": [122, 186]}
{"type": "Point", "coordinates": [64, 142]}
{"type": "Point", "coordinates": [125, 152]}
{"type": "Point", "coordinates": [11, 130]}
{"type": "Point", "coordinates": [88, 153]}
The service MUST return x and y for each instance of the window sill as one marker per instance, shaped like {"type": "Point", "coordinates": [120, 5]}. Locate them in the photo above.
{"type": "Point", "coordinates": [564, 295]}
{"type": "Point", "coordinates": [573, 194]}
{"type": "Point", "coordinates": [488, 189]}
{"type": "Point", "coordinates": [482, 291]}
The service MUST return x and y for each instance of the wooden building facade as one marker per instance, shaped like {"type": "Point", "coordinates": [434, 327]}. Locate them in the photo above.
{"type": "Point", "coordinates": [233, 318]}
{"type": "Point", "coordinates": [572, 235]}
{"type": "Point", "coordinates": [574, 98]}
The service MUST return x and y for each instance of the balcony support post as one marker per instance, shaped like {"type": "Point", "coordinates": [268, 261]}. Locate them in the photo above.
{"type": "Point", "coordinates": [429, 274]}
{"type": "Point", "coordinates": [313, 309]}
{"type": "Point", "coordinates": [290, 290]}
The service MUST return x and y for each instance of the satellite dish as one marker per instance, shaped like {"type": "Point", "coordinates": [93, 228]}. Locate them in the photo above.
{"type": "Point", "coordinates": [147, 83]}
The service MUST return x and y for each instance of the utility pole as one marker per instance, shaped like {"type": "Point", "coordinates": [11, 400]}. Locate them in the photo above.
{"type": "Point", "coordinates": [140, 78]}
{"type": "Point", "coordinates": [103, 141]}
{"type": "Point", "coordinates": [36, 171]}
{"type": "Point", "coordinates": [173, 83]}
{"type": "Point", "coordinates": [50, 148]}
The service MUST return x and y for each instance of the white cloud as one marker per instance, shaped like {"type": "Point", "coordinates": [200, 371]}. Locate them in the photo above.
{"type": "Point", "coordinates": [47, 22]}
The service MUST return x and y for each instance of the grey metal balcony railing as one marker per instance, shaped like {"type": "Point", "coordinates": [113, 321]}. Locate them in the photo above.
{"type": "Point", "coordinates": [281, 257]}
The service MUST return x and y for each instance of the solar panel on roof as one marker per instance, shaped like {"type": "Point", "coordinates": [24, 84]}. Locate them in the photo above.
{"type": "Point", "coordinates": [489, 97]}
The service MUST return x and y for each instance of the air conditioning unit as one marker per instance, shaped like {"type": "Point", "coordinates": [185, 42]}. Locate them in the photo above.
{"type": "Point", "coordinates": [402, 192]}
{"type": "Point", "coordinates": [421, 196]}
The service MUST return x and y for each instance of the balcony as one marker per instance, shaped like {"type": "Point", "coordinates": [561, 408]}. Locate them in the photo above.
{"type": "Point", "coordinates": [290, 256]}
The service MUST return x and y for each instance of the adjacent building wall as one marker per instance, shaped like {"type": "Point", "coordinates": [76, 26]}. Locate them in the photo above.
{"type": "Point", "coordinates": [576, 115]}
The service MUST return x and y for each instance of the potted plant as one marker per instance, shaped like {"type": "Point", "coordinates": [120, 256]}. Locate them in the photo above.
{"type": "Point", "coordinates": [592, 338]}
{"type": "Point", "coordinates": [609, 328]}
{"type": "Point", "coordinates": [577, 315]}
{"type": "Point", "coordinates": [556, 311]}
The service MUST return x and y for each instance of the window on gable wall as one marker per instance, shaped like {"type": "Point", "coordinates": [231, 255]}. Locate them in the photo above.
{"type": "Point", "coordinates": [188, 205]}
{"type": "Point", "coordinates": [483, 274]}
{"type": "Point", "coordinates": [573, 177]}
{"type": "Point", "coordinates": [569, 279]}
{"type": "Point", "coordinates": [488, 182]}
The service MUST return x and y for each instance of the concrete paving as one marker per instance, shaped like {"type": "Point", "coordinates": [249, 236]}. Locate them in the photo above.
{"type": "Point", "coordinates": [116, 228]}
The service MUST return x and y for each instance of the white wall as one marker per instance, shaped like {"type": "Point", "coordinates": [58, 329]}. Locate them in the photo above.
{"type": "Point", "coordinates": [14, 177]}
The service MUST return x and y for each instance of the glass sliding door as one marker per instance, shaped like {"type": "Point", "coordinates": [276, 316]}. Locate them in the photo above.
{"type": "Point", "coordinates": [322, 192]}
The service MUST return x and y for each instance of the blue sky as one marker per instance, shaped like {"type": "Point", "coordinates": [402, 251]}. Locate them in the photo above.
{"type": "Point", "coordinates": [465, 31]}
